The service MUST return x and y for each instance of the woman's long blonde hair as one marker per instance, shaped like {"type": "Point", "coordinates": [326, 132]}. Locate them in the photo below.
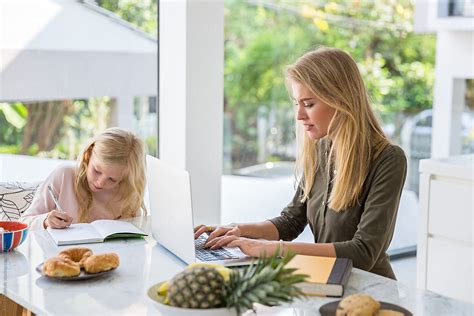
{"type": "Point", "coordinates": [356, 136]}
{"type": "Point", "coordinates": [114, 146]}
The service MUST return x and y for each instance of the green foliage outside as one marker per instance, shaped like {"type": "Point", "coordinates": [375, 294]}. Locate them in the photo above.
{"type": "Point", "coordinates": [13, 118]}
{"type": "Point", "coordinates": [140, 13]}
{"type": "Point", "coordinates": [261, 39]}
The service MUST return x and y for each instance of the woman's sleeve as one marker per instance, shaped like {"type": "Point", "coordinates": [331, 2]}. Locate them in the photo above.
{"type": "Point", "coordinates": [292, 219]}
{"type": "Point", "coordinates": [42, 202]}
{"type": "Point", "coordinates": [377, 222]}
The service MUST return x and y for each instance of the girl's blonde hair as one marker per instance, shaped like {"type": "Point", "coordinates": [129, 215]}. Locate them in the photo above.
{"type": "Point", "coordinates": [354, 132]}
{"type": "Point", "coordinates": [114, 146]}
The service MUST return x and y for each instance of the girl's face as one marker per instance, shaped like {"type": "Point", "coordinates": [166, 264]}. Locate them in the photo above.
{"type": "Point", "coordinates": [313, 113]}
{"type": "Point", "coordinates": [101, 177]}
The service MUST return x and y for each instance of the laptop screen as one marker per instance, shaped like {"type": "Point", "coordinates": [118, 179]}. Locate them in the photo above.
{"type": "Point", "coordinates": [169, 189]}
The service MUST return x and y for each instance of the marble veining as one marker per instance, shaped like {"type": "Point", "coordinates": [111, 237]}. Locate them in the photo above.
{"type": "Point", "coordinates": [144, 263]}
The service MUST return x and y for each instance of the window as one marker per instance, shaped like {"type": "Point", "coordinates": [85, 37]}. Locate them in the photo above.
{"type": "Point", "coordinates": [61, 98]}
{"type": "Point", "coordinates": [259, 148]}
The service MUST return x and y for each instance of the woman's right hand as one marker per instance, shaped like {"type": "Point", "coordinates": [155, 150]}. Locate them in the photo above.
{"type": "Point", "coordinates": [216, 233]}
{"type": "Point", "coordinates": [57, 219]}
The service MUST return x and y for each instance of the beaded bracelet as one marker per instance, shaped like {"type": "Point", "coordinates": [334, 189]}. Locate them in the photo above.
{"type": "Point", "coordinates": [281, 248]}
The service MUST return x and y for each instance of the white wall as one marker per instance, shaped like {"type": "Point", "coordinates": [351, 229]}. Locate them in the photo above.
{"type": "Point", "coordinates": [67, 25]}
{"type": "Point", "coordinates": [27, 168]}
{"type": "Point", "coordinates": [191, 72]}
{"type": "Point", "coordinates": [55, 75]}
{"type": "Point", "coordinates": [454, 64]}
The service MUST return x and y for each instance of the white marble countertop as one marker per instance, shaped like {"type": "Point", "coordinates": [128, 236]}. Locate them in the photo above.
{"type": "Point", "coordinates": [144, 263]}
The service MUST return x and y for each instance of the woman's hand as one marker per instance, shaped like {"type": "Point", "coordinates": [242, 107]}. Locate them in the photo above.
{"type": "Point", "coordinates": [216, 233]}
{"type": "Point", "coordinates": [254, 247]}
{"type": "Point", "coordinates": [57, 219]}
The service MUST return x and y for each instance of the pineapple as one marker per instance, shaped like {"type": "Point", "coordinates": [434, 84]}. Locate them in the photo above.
{"type": "Point", "coordinates": [266, 282]}
{"type": "Point", "coordinates": [200, 287]}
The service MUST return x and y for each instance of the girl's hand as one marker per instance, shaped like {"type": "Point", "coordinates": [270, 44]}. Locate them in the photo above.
{"type": "Point", "coordinates": [216, 232]}
{"type": "Point", "coordinates": [254, 247]}
{"type": "Point", "coordinates": [57, 219]}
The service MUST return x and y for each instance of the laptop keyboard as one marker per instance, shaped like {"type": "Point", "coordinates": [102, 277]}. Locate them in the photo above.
{"type": "Point", "coordinates": [205, 254]}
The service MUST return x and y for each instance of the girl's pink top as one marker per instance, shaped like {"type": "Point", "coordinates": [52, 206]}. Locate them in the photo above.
{"type": "Point", "coordinates": [62, 182]}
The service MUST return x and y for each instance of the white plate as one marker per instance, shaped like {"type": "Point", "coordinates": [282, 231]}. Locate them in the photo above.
{"type": "Point", "coordinates": [171, 310]}
{"type": "Point", "coordinates": [82, 276]}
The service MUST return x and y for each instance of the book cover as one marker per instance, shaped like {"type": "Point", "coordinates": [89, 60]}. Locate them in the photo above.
{"type": "Point", "coordinates": [327, 276]}
{"type": "Point", "coordinates": [97, 231]}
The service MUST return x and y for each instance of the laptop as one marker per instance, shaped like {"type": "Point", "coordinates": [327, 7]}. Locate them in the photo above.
{"type": "Point", "coordinates": [169, 189]}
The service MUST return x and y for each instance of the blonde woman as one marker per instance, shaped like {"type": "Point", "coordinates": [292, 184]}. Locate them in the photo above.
{"type": "Point", "coordinates": [107, 183]}
{"type": "Point", "coordinates": [351, 174]}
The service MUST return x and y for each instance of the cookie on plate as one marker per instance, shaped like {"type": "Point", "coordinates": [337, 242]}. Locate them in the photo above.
{"type": "Point", "coordinates": [357, 305]}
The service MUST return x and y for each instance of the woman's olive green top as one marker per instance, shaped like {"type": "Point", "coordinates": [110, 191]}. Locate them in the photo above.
{"type": "Point", "coordinates": [362, 232]}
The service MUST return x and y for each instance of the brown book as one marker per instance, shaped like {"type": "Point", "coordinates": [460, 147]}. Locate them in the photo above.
{"type": "Point", "coordinates": [327, 276]}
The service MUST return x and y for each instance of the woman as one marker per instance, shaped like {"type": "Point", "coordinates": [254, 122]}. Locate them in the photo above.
{"type": "Point", "coordinates": [107, 183]}
{"type": "Point", "coordinates": [351, 175]}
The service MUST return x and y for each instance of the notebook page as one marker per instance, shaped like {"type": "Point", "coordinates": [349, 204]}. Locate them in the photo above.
{"type": "Point", "coordinates": [107, 227]}
{"type": "Point", "coordinates": [75, 234]}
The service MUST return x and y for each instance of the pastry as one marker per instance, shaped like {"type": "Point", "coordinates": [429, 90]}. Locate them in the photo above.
{"type": "Point", "coordinates": [61, 267]}
{"type": "Point", "coordinates": [102, 262]}
{"type": "Point", "coordinates": [77, 254]}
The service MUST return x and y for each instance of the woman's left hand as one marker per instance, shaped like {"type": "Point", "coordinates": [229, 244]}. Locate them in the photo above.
{"type": "Point", "coordinates": [254, 247]}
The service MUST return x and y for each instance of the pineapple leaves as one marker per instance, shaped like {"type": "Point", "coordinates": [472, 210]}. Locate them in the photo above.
{"type": "Point", "coordinates": [266, 282]}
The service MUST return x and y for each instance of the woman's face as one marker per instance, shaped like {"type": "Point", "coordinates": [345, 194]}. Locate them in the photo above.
{"type": "Point", "coordinates": [313, 113]}
{"type": "Point", "coordinates": [101, 177]}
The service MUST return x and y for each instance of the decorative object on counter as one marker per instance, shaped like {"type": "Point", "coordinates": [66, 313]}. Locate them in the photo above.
{"type": "Point", "coordinates": [362, 304]}
{"type": "Point", "coordinates": [210, 286]}
{"type": "Point", "coordinates": [77, 264]}
{"type": "Point", "coordinates": [12, 234]}
{"type": "Point", "coordinates": [327, 276]}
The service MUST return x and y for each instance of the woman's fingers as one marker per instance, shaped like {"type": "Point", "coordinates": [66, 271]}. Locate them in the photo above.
{"type": "Point", "coordinates": [217, 231]}
{"type": "Point", "coordinates": [201, 229]}
{"type": "Point", "coordinates": [215, 234]}
{"type": "Point", "coordinates": [224, 241]}
{"type": "Point", "coordinates": [211, 242]}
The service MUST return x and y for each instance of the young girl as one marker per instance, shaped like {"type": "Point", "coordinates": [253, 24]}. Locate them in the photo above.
{"type": "Point", "coordinates": [351, 175]}
{"type": "Point", "coordinates": [107, 183]}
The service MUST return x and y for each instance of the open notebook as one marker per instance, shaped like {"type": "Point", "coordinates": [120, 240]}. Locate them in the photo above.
{"type": "Point", "coordinates": [97, 231]}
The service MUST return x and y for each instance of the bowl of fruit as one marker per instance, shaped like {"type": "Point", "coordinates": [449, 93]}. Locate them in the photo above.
{"type": "Point", "coordinates": [12, 234]}
{"type": "Point", "coordinates": [216, 290]}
